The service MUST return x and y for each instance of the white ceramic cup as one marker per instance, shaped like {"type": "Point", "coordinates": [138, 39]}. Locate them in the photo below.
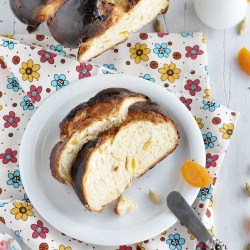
{"type": "Point", "coordinates": [220, 14]}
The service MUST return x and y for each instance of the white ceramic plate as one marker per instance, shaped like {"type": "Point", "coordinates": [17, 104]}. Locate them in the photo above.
{"type": "Point", "coordinates": [59, 205]}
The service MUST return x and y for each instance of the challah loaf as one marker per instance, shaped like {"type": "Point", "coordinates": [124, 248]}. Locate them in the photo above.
{"type": "Point", "coordinates": [92, 25]}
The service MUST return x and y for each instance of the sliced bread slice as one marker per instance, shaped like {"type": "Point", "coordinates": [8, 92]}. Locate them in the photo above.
{"type": "Point", "coordinates": [107, 109]}
{"type": "Point", "coordinates": [105, 167]}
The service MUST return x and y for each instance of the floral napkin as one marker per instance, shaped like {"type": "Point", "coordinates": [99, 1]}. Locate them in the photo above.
{"type": "Point", "coordinates": [32, 67]}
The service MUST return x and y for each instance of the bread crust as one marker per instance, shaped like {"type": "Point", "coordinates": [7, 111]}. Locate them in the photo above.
{"type": "Point", "coordinates": [140, 111]}
{"type": "Point", "coordinates": [79, 169]}
{"type": "Point", "coordinates": [101, 105]}
{"type": "Point", "coordinates": [116, 210]}
{"type": "Point", "coordinates": [54, 160]}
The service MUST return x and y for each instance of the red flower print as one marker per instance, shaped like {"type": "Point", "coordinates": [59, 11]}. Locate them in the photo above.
{"type": "Point", "coordinates": [177, 55]}
{"type": "Point", "coordinates": [8, 156]}
{"type": "Point", "coordinates": [11, 120]}
{"type": "Point", "coordinates": [125, 248]}
{"type": "Point", "coordinates": [193, 86]}
{"type": "Point", "coordinates": [201, 246]}
{"type": "Point", "coordinates": [34, 93]}
{"type": "Point", "coordinates": [46, 56]}
{"type": "Point", "coordinates": [161, 34]}
{"type": "Point", "coordinates": [143, 36]}
{"type": "Point", "coordinates": [208, 213]}
{"type": "Point", "coordinates": [40, 37]}
{"type": "Point", "coordinates": [2, 219]}
{"type": "Point", "coordinates": [153, 65]}
{"type": "Point", "coordinates": [216, 120]}
{"type": "Point", "coordinates": [211, 160]}
{"type": "Point", "coordinates": [84, 70]}
{"type": "Point", "coordinates": [4, 245]}
{"type": "Point", "coordinates": [186, 102]}
{"type": "Point", "coordinates": [39, 230]}
{"type": "Point", "coordinates": [16, 60]}
{"type": "Point", "coordinates": [43, 246]}
{"type": "Point", "coordinates": [2, 63]}
{"type": "Point", "coordinates": [193, 52]}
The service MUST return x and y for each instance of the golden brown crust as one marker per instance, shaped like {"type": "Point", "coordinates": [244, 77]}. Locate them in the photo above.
{"type": "Point", "coordinates": [54, 158]}
{"type": "Point", "coordinates": [164, 11]}
{"type": "Point", "coordinates": [79, 170]}
{"type": "Point", "coordinates": [116, 210]}
{"type": "Point", "coordinates": [116, 206]}
{"type": "Point", "coordinates": [48, 9]}
{"type": "Point", "coordinates": [149, 111]}
{"type": "Point", "coordinates": [103, 104]}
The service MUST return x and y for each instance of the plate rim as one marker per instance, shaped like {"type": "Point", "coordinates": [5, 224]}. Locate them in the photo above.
{"type": "Point", "coordinates": [115, 240]}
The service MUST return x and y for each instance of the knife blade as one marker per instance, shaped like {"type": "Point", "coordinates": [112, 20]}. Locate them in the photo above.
{"type": "Point", "coordinates": [181, 209]}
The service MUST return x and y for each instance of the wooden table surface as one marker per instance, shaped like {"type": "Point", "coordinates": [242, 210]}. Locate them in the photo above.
{"type": "Point", "coordinates": [230, 87]}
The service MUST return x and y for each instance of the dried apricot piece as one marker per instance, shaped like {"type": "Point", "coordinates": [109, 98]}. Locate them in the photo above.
{"type": "Point", "coordinates": [244, 60]}
{"type": "Point", "coordinates": [195, 174]}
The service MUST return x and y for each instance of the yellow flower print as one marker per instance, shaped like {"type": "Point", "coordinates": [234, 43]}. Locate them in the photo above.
{"type": "Point", "coordinates": [211, 231]}
{"type": "Point", "coordinates": [227, 130]}
{"type": "Point", "coordinates": [139, 53]}
{"type": "Point", "coordinates": [199, 122]}
{"type": "Point", "coordinates": [22, 210]}
{"type": "Point", "coordinates": [10, 36]}
{"type": "Point", "coordinates": [61, 247]}
{"type": "Point", "coordinates": [164, 233]}
{"type": "Point", "coordinates": [204, 39]}
{"type": "Point", "coordinates": [139, 246]}
{"type": "Point", "coordinates": [211, 203]}
{"type": "Point", "coordinates": [207, 94]}
{"type": "Point", "coordinates": [169, 72]}
{"type": "Point", "coordinates": [29, 70]}
{"type": "Point", "coordinates": [192, 237]}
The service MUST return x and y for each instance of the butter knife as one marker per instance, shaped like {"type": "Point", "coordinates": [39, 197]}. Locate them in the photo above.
{"type": "Point", "coordinates": [181, 209]}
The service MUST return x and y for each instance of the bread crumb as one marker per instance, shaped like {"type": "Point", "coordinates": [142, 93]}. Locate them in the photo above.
{"type": "Point", "coordinates": [124, 205]}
